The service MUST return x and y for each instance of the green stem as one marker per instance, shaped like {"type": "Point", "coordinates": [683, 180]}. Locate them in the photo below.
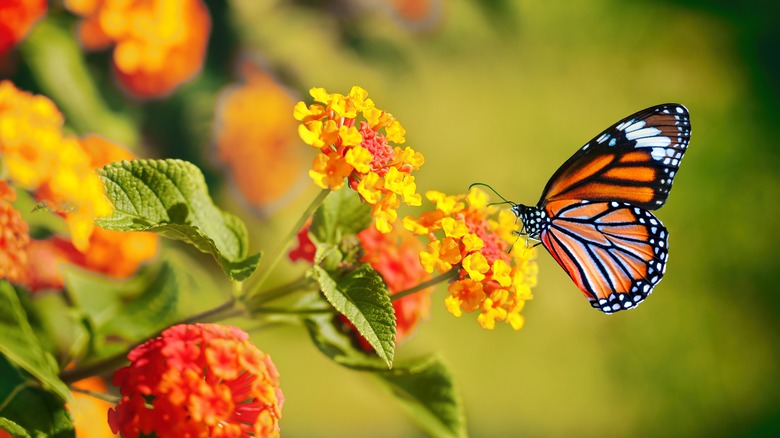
{"type": "Point", "coordinates": [452, 273]}
{"type": "Point", "coordinates": [282, 311]}
{"type": "Point", "coordinates": [222, 311]}
{"type": "Point", "coordinates": [254, 289]}
{"type": "Point", "coordinates": [98, 395]}
{"type": "Point", "coordinates": [278, 292]}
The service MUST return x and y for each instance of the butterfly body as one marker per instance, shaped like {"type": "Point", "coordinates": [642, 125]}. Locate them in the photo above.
{"type": "Point", "coordinates": [594, 214]}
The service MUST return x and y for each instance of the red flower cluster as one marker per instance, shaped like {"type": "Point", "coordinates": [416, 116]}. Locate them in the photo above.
{"type": "Point", "coordinates": [201, 380]}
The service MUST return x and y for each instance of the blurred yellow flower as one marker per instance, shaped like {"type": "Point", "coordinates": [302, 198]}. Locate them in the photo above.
{"type": "Point", "coordinates": [158, 45]}
{"type": "Point", "coordinates": [359, 151]}
{"type": "Point", "coordinates": [39, 157]}
{"type": "Point", "coordinates": [465, 235]}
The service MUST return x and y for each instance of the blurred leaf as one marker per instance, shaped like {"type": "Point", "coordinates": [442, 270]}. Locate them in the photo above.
{"type": "Point", "coordinates": [341, 214]}
{"type": "Point", "coordinates": [426, 390]}
{"type": "Point", "coordinates": [339, 346]}
{"type": "Point", "coordinates": [125, 312]}
{"type": "Point", "coordinates": [57, 62]}
{"type": "Point", "coordinates": [62, 329]}
{"type": "Point", "coordinates": [20, 345]}
{"type": "Point", "coordinates": [363, 298]}
{"type": "Point", "coordinates": [170, 197]}
{"type": "Point", "coordinates": [26, 410]}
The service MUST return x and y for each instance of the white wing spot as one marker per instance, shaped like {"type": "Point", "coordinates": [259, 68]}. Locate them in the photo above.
{"type": "Point", "coordinates": [653, 142]}
{"type": "Point", "coordinates": [635, 126]}
{"type": "Point", "coordinates": [641, 133]}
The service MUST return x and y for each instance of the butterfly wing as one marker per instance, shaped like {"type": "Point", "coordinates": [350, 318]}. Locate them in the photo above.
{"type": "Point", "coordinates": [634, 161]}
{"type": "Point", "coordinates": [615, 252]}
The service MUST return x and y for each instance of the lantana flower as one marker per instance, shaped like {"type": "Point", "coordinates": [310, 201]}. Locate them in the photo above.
{"type": "Point", "coordinates": [158, 45]}
{"type": "Point", "coordinates": [201, 380]}
{"type": "Point", "coordinates": [16, 19]}
{"type": "Point", "coordinates": [253, 125]}
{"type": "Point", "coordinates": [468, 235]}
{"type": "Point", "coordinates": [39, 157]}
{"type": "Point", "coordinates": [113, 253]}
{"type": "Point", "coordinates": [356, 140]}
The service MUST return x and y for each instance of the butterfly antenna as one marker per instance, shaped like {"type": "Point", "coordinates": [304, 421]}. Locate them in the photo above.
{"type": "Point", "coordinates": [494, 191]}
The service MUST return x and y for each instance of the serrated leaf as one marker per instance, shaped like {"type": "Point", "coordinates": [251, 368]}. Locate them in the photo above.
{"type": "Point", "coordinates": [170, 197]}
{"type": "Point", "coordinates": [339, 346]}
{"type": "Point", "coordinates": [362, 297]}
{"type": "Point", "coordinates": [426, 390]}
{"type": "Point", "coordinates": [20, 345]}
{"type": "Point", "coordinates": [341, 214]}
{"type": "Point", "coordinates": [27, 410]}
{"type": "Point", "coordinates": [123, 313]}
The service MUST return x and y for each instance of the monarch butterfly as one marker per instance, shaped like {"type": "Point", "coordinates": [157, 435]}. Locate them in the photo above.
{"type": "Point", "coordinates": [593, 216]}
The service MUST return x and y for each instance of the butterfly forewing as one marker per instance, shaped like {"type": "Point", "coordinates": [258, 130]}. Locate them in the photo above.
{"type": "Point", "coordinates": [615, 252]}
{"type": "Point", "coordinates": [633, 161]}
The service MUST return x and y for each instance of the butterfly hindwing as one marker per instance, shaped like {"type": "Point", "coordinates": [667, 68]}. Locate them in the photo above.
{"type": "Point", "coordinates": [614, 252]}
{"type": "Point", "coordinates": [633, 161]}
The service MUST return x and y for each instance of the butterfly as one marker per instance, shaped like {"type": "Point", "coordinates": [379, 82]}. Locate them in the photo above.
{"type": "Point", "coordinates": [594, 214]}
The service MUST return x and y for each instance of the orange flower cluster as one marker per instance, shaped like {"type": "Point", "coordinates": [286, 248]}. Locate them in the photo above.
{"type": "Point", "coordinates": [395, 256]}
{"type": "Point", "coordinates": [465, 236]}
{"type": "Point", "coordinates": [201, 380]}
{"type": "Point", "coordinates": [113, 253]}
{"type": "Point", "coordinates": [158, 45]}
{"type": "Point", "coordinates": [360, 154]}
{"type": "Point", "coordinates": [14, 238]}
{"type": "Point", "coordinates": [253, 127]}
{"type": "Point", "coordinates": [16, 19]}
{"type": "Point", "coordinates": [39, 157]}
{"type": "Point", "coordinates": [59, 169]}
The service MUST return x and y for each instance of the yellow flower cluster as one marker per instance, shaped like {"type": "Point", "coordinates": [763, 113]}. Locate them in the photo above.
{"type": "Point", "coordinates": [354, 137]}
{"type": "Point", "coordinates": [467, 235]}
{"type": "Point", "coordinates": [37, 156]}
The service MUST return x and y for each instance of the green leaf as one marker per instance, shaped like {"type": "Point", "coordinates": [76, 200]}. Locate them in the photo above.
{"type": "Point", "coordinates": [339, 346]}
{"type": "Point", "coordinates": [342, 214]}
{"type": "Point", "coordinates": [26, 410]}
{"type": "Point", "coordinates": [426, 390]}
{"type": "Point", "coordinates": [363, 298]}
{"type": "Point", "coordinates": [125, 312]}
{"type": "Point", "coordinates": [20, 345]}
{"type": "Point", "coordinates": [170, 197]}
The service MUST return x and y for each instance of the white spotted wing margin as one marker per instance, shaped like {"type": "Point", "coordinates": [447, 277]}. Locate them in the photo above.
{"type": "Point", "coordinates": [635, 160]}
{"type": "Point", "coordinates": [614, 252]}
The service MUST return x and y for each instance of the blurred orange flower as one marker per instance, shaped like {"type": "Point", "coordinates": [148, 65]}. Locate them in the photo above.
{"type": "Point", "coordinates": [16, 19]}
{"type": "Point", "coordinates": [88, 412]}
{"type": "Point", "coordinates": [198, 380]}
{"type": "Point", "coordinates": [253, 131]}
{"type": "Point", "coordinates": [158, 45]}
{"type": "Point", "coordinates": [396, 256]}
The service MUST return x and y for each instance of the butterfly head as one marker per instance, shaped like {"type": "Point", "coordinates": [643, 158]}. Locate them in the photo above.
{"type": "Point", "coordinates": [534, 219]}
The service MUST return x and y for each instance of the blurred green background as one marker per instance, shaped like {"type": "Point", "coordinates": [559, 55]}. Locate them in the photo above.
{"type": "Point", "coordinates": [503, 92]}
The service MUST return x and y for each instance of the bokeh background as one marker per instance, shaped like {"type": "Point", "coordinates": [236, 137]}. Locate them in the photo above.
{"type": "Point", "coordinates": [500, 92]}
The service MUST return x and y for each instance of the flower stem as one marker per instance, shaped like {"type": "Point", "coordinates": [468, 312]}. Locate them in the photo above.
{"type": "Point", "coordinates": [452, 273]}
{"type": "Point", "coordinates": [222, 311]}
{"type": "Point", "coordinates": [98, 395]}
{"type": "Point", "coordinates": [278, 292]}
{"type": "Point", "coordinates": [254, 289]}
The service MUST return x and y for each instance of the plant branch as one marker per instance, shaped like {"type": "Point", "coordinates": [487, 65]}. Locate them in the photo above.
{"type": "Point", "coordinates": [452, 273]}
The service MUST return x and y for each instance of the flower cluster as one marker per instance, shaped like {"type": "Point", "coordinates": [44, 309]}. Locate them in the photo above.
{"type": "Point", "coordinates": [158, 44]}
{"type": "Point", "coordinates": [114, 253]}
{"type": "Point", "coordinates": [465, 236]}
{"type": "Point", "coordinates": [358, 152]}
{"type": "Point", "coordinates": [395, 256]}
{"type": "Point", "coordinates": [253, 126]}
{"type": "Point", "coordinates": [39, 157]}
{"type": "Point", "coordinates": [16, 19]}
{"type": "Point", "coordinates": [199, 380]}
